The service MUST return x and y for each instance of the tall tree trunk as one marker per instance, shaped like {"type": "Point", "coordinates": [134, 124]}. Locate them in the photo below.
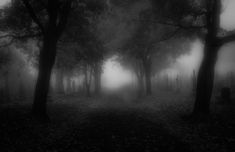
{"type": "Point", "coordinates": [74, 89]}
{"type": "Point", "coordinates": [6, 88]}
{"type": "Point", "coordinates": [194, 82]}
{"type": "Point", "coordinates": [55, 21]}
{"type": "Point", "coordinates": [59, 81]}
{"type": "Point", "coordinates": [87, 81]}
{"type": "Point", "coordinates": [46, 62]}
{"type": "Point", "coordinates": [97, 78]}
{"type": "Point", "coordinates": [147, 70]}
{"type": "Point", "coordinates": [21, 92]}
{"type": "Point", "coordinates": [90, 81]}
{"type": "Point", "coordinates": [69, 84]}
{"type": "Point", "coordinates": [205, 80]}
{"type": "Point", "coordinates": [140, 78]}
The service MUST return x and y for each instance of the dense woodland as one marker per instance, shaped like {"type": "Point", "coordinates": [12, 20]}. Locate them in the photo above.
{"type": "Point", "coordinates": [53, 55]}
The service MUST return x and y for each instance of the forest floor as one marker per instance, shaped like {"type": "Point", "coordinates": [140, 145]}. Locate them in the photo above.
{"type": "Point", "coordinates": [115, 124]}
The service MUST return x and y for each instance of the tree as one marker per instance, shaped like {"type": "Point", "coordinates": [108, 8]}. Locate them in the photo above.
{"type": "Point", "coordinates": [66, 62]}
{"type": "Point", "coordinates": [51, 31]}
{"type": "Point", "coordinates": [143, 44]}
{"type": "Point", "coordinates": [139, 46]}
{"type": "Point", "coordinates": [213, 43]}
{"type": "Point", "coordinates": [5, 61]}
{"type": "Point", "coordinates": [92, 55]}
{"type": "Point", "coordinates": [204, 17]}
{"type": "Point", "coordinates": [84, 31]}
{"type": "Point", "coordinates": [48, 20]}
{"type": "Point", "coordinates": [134, 64]}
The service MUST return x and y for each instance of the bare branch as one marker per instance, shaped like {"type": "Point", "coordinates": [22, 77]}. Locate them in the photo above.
{"type": "Point", "coordinates": [33, 14]}
{"type": "Point", "coordinates": [227, 39]}
{"type": "Point", "coordinates": [65, 10]}
{"type": "Point", "coordinates": [173, 24]}
{"type": "Point", "coordinates": [169, 36]}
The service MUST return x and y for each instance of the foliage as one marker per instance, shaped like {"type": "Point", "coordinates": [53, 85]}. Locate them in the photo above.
{"type": "Point", "coordinates": [80, 42]}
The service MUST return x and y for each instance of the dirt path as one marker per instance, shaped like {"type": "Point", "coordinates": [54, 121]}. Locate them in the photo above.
{"type": "Point", "coordinates": [119, 131]}
{"type": "Point", "coordinates": [88, 126]}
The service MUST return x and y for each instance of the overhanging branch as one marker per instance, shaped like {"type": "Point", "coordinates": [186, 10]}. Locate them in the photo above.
{"type": "Point", "coordinates": [179, 25]}
{"type": "Point", "coordinates": [169, 36]}
{"type": "Point", "coordinates": [63, 19]}
{"type": "Point", "coordinates": [33, 14]}
{"type": "Point", "coordinates": [227, 39]}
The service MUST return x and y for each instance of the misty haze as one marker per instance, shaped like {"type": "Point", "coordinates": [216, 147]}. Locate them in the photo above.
{"type": "Point", "coordinates": [117, 75]}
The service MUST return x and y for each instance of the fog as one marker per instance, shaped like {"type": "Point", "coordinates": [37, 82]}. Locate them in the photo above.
{"type": "Point", "coordinates": [117, 75]}
{"type": "Point", "coordinates": [114, 75]}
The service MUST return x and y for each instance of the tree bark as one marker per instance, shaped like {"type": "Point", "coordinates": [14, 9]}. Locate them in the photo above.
{"type": "Point", "coordinates": [140, 84]}
{"type": "Point", "coordinates": [87, 81]}
{"type": "Point", "coordinates": [194, 82]}
{"type": "Point", "coordinates": [51, 30]}
{"type": "Point", "coordinates": [46, 62]}
{"type": "Point", "coordinates": [147, 70]}
{"type": "Point", "coordinates": [74, 89]}
{"type": "Point", "coordinates": [21, 92]}
{"type": "Point", "coordinates": [69, 89]}
{"type": "Point", "coordinates": [205, 81]}
{"type": "Point", "coordinates": [97, 78]}
{"type": "Point", "coordinates": [6, 88]}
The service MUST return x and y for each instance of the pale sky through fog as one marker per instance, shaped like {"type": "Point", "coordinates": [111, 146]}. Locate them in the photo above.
{"type": "Point", "coordinates": [115, 76]}
{"type": "Point", "coordinates": [3, 2]}
{"type": "Point", "coordinates": [228, 15]}
{"type": "Point", "coordinates": [185, 64]}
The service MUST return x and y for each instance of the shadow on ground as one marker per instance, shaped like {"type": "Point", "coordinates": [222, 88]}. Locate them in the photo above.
{"type": "Point", "coordinates": [119, 131]}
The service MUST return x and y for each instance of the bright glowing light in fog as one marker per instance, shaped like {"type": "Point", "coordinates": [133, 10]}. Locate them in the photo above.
{"type": "Point", "coordinates": [228, 15]}
{"type": "Point", "coordinates": [191, 61]}
{"type": "Point", "coordinates": [226, 62]}
{"type": "Point", "coordinates": [3, 2]}
{"type": "Point", "coordinates": [186, 63]}
{"type": "Point", "coordinates": [114, 75]}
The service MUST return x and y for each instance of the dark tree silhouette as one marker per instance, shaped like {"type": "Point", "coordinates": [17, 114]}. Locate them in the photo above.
{"type": "Point", "coordinates": [5, 60]}
{"type": "Point", "coordinates": [133, 64]}
{"type": "Point", "coordinates": [49, 21]}
{"type": "Point", "coordinates": [144, 42]}
{"type": "Point", "coordinates": [204, 17]}
{"type": "Point", "coordinates": [213, 43]}
{"type": "Point", "coordinates": [66, 63]}
{"type": "Point", "coordinates": [52, 30]}
{"type": "Point", "coordinates": [83, 31]}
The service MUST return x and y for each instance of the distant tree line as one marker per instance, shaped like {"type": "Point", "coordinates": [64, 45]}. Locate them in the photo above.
{"type": "Point", "coordinates": [68, 37]}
